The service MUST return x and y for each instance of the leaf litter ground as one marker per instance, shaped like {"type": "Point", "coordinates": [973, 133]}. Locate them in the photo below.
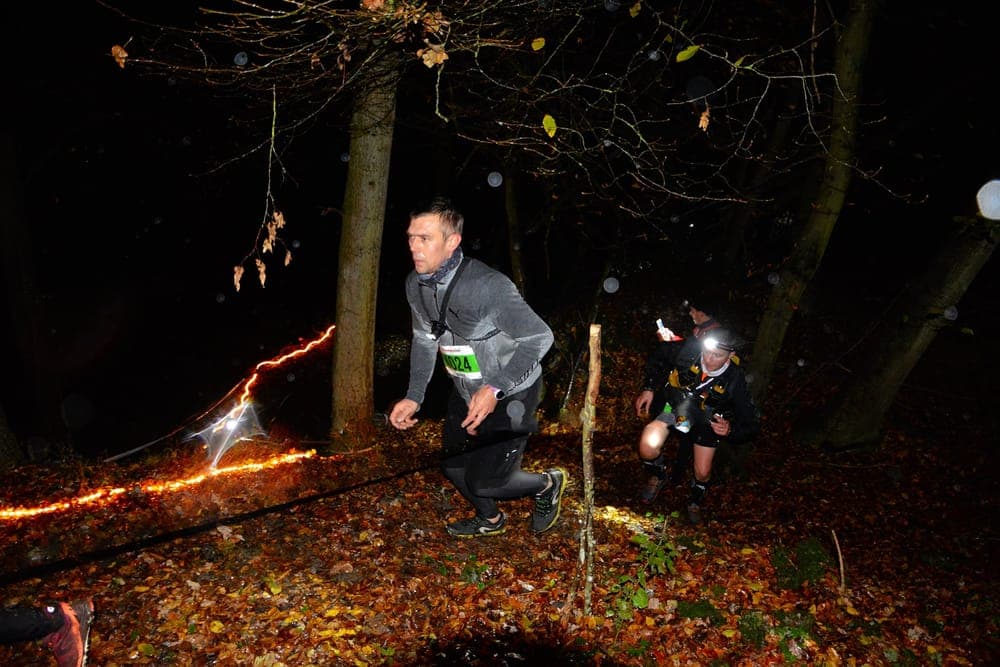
{"type": "Point", "coordinates": [341, 559]}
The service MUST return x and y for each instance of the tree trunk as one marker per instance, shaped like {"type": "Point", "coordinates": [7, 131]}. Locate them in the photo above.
{"type": "Point", "coordinates": [360, 247]}
{"type": "Point", "coordinates": [857, 413]}
{"type": "Point", "coordinates": [805, 259]}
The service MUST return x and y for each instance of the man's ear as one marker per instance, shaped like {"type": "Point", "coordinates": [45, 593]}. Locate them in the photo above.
{"type": "Point", "coordinates": [453, 242]}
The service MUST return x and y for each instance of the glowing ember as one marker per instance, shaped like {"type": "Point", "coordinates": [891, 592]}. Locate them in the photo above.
{"type": "Point", "coordinates": [102, 496]}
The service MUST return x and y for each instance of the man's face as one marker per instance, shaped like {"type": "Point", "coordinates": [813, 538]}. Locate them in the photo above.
{"type": "Point", "coordinates": [429, 246]}
{"type": "Point", "coordinates": [713, 360]}
{"type": "Point", "coordinates": [699, 317]}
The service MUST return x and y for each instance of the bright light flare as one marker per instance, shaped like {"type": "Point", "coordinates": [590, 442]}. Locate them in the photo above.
{"type": "Point", "coordinates": [105, 496]}
{"type": "Point", "coordinates": [237, 425]}
{"type": "Point", "coordinates": [241, 423]}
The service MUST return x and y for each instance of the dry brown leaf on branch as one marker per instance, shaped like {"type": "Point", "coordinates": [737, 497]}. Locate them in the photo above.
{"type": "Point", "coordinates": [433, 55]}
{"type": "Point", "coordinates": [276, 223]}
{"type": "Point", "coordinates": [237, 275]}
{"type": "Point", "coordinates": [434, 22]}
{"type": "Point", "coordinates": [703, 121]}
{"type": "Point", "coordinates": [119, 53]}
{"type": "Point", "coordinates": [288, 257]}
{"type": "Point", "coordinates": [373, 5]}
{"type": "Point", "coordinates": [261, 272]}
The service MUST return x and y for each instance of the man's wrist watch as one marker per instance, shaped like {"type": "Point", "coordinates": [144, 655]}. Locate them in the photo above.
{"type": "Point", "coordinates": [498, 394]}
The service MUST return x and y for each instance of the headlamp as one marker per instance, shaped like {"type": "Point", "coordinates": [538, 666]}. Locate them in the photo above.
{"type": "Point", "coordinates": [712, 343]}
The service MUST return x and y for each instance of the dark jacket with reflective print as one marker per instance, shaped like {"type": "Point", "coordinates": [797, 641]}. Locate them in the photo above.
{"type": "Point", "coordinates": [486, 313]}
{"type": "Point", "coordinates": [675, 369]}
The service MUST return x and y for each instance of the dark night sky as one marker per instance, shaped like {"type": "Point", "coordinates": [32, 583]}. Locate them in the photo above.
{"type": "Point", "coordinates": [137, 252]}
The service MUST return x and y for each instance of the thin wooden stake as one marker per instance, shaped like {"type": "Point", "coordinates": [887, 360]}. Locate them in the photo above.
{"type": "Point", "coordinates": [840, 559]}
{"type": "Point", "coordinates": [588, 420]}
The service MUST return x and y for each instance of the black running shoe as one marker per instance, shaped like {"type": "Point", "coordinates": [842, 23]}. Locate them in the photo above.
{"type": "Point", "coordinates": [477, 526]}
{"type": "Point", "coordinates": [651, 489]}
{"type": "Point", "coordinates": [695, 515]}
{"type": "Point", "coordinates": [547, 502]}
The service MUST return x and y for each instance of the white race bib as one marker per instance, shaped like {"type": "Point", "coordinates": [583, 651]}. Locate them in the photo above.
{"type": "Point", "coordinates": [460, 361]}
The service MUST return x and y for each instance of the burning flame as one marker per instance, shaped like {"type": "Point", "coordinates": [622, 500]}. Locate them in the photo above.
{"type": "Point", "coordinates": [106, 495]}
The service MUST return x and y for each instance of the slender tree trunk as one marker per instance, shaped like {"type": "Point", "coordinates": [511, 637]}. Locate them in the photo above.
{"type": "Point", "coordinates": [360, 248]}
{"type": "Point", "coordinates": [808, 253]}
{"type": "Point", "coordinates": [857, 413]}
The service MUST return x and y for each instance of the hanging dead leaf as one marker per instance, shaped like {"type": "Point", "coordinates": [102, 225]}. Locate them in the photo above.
{"type": "Point", "coordinates": [538, 44]}
{"type": "Point", "coordinates": [703, 120]}
{"type": "Point", "coordinates": [119, 54]}
{"type": "Point", "coordinates": [634, 10]}
{"type": "Point", "coordinates": [261, 272]}
{"type": "Point", "coordinates": [314, 61]}
{"type": "Point", "coordinates": [373, 5]}
{"type": "Point", "coordinates": [434, 21]}
{"type": "Point", "coordinates": [237, 275]}
{"type": "Point", "coordinates": [288, 257]}
{"type": "Point", "coordinates": [433, 55]}
{"type": "Point", "coordinates": [267, 245]}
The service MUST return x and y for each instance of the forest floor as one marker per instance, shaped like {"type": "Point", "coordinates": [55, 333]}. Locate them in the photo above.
{"type": "Point", "coordinates": [884, 557]}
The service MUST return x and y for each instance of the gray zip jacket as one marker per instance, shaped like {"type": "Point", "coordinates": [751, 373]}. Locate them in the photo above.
{"type": "Point", "coordinates": [492, 333]}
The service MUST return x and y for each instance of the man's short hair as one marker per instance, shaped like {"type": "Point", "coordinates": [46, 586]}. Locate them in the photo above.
{"type": "Point", "coordinates": [443, 208]}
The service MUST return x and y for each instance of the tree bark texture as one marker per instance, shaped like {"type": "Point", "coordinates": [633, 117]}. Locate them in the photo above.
{"type": "Point", "coordinates": [372, 124]}
{"type": "Point", "coordinates": [857, 413]}
{"type": "Point", "coordinates": [805, 259]}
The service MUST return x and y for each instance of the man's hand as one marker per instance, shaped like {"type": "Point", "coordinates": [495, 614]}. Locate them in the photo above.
{"type": "Point", "coordinates": [402, 413]}
{"type": "Point", "coordinates": [720, 425]}
{"type": "Point", "coordinates": [642, 403]}
{"type": "Point", "coordinates": [481, 405]}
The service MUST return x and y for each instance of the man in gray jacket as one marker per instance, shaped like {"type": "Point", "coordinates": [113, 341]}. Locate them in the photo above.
{"type": "Point", "coordinates": [491, 343]}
